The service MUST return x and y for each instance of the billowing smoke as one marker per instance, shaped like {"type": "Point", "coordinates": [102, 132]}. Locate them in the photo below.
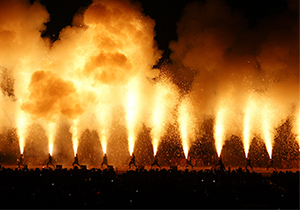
{"type": "Point", "coordinates": [237, 57]}
{"type": "Point", "coordinates": [99, 66]}
{"type": "Point", "coordinates": [95, 89]}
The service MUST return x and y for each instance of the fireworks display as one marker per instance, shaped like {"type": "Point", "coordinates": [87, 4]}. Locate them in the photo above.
{"type": "Point", "coordinates": [99, 75]}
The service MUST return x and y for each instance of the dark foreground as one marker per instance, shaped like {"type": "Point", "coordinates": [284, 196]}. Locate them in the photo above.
{"type": "Point", "coordinates": [95, 188]}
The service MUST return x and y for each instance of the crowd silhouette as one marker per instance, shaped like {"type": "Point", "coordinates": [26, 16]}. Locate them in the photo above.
{"type": "Point", "coordinates": [139, 188]}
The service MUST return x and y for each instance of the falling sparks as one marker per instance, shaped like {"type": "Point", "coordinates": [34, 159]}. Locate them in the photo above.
{"type": "Point", "coordinates": [267, 129]}
{"type": "Point", "coordinates": [132, 114]}
{"type": "Point", "coordinates": [248, 118]}
{"type": "Point", "coordinates": [186, 125]}
{"type": "Point", "coordinates": [22, 126]}
{"type": "Point", "coordinates": [74, 131]}
{"type": "Point", "coordinates": [165, 96]}
{"type": "Point", "coordinates": [155, 146]}
{"type": "Point", "coordinates": [296, 126]}
{"type": "Point", "coordinates": [104, 118]}
{"type": "Point", "coordinates": [219, 131]}
{"type": "Point", "coordinates": [51, 129]}
{"type": "Point", "coordinates": [106, 58]}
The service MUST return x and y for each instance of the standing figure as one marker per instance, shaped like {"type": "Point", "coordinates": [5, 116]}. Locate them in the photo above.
{"type": "Point", "coordinates": [189, 162]}
{"type": "Point", "coordinates": [271, 165]}
{"type": "Point", "coordinates": [104, 161]}
{"type": "Point", "coordinates": [76, 161]}
{"type": "Point", "coordinates": [132, 161]}
{"type": "Point", "coordinates": [50, 159]}
{"type": "Point", "coordinates": [21, 161]}
{"type": "Point", "coordinates": [249, 164]}
{"type": "Point", "coordinates": [155, 161]}
{"type": "Point", "coordinates": [220, 164]}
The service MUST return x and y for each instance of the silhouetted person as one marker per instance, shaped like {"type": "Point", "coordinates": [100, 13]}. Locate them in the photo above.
{"type": "Point", "coordinates": [271, 165]}
{"type": "Point", "coordinates": [155, 162]}
{"type": "Point", "coordinates": [104, 161]}
{"type": "Point", "coordinates": [21, 161]}
{"type": "Point", "coordinates": [220, 164]}
{"type": "Point", "coordinates": [249, 164]}
{"type": "Point", "coordinates": [76, 161]}
{"type": "Point", "coordinates": [50, 160]}
{"type": "Point", "coordinates": [189, 162]}
{"type": "Point", "coordinates": [132, 161]}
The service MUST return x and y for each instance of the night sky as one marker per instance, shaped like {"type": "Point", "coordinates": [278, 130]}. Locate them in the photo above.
{"type": "Point", "coordinates": [166, 14]}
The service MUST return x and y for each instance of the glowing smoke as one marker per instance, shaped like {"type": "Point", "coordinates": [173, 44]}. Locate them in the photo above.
{"type": "Point", "coordinates": [186, 121]}
{"type": "Point", "coordinates": [229, 54]}
{"type": "Point", "coordinates": [247, 72]}
{"type": "Point", "coordinates": [165, 98]}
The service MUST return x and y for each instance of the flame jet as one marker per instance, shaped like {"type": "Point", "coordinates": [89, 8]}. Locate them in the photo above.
{"type": "Point", "coordinates": [104, 118]}
{"type": "Point", "coordinates": [51, 130]}
{"type": "Point", "coordinates": [21, 129]}
{"type": "Point", "coordinates": [296, 126]}
{"type": "Point", "coordinates": [219, 130]}
{"type": "Point", "coordinates": [132, 112]}
{"type": "Point", "coordinates": [267, 114]}
{"type": "Point", "coordinates": [250, 110]}
{"type": "Point", "coordinates": [165, 99]}
{"type": "Point", "coordinates": [75, 135]}
{"type": "Point", "coordinates": [187, 124]}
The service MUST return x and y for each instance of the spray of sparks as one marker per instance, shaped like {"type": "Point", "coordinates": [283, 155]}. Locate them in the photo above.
{"type": "Point", "coordinates": [248, 118]}
{"type": "Point", "coordinates": [164, 102]}
{"type": "Point", "coordinates": [22, 126]}
{"type": "Point", "coordinates": [103, 60]}
{"type": "Point", "coordinates": [219, 131]}
{"type": "Point", "coordinates": [75, 136]}
{"type": "Point", "coordinates": [186, 125]}
{"type": "Point", "coordinates": [132, 114]}
{"type": "Point", "coordinates": [51, 134]}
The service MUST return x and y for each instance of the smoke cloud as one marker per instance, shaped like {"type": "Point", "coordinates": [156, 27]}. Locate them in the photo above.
{"type": "Point", "coordinates": [234, 58]}
{"type": "Point", "coordinates": [98, 75]}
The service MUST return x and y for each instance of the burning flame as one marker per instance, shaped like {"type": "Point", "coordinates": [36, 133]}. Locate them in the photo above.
{"type": "Point", "coordinates": [103, 141]}
{"type": "Point", "coordinates": [104, 119]}
{"type": "Point", "coordinates": [296, 126]}
{"type": "Point", "coordinates": [51, 148]}
{"type": "Point", "coordinates": [22, 126]}
{"type": "Point", "coordinates": [106, 58]}
{"type": "Point", "coordinates": [155, 146]}
{"type": "Point", "coordinates": [165, 95]}
{"type": "Point", "coordinates": [186, 123]}
{"type": "Point", "coordinates": [74, 131]}
{"type": "Point", "coordinates": [132, 107]}
{"type": "Point", "coordinates": [219, 131]}
{"type": "Point", "coordinates": [51, 129]}
{"type": "Point", "coordinates": [250, 110]}
{"type": "Point", "coordinates": [267, 129]}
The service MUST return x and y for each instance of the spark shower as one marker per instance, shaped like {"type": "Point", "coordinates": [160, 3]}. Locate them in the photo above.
{"type": "Point", "coordinates": [99, 75]}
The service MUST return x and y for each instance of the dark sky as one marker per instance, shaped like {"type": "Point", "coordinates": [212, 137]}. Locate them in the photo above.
{"type": "Point", "coordinates": [166, 13]}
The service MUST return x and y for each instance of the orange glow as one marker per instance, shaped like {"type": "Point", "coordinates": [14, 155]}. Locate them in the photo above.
{"type": "Point", "coordinates": [51, 129]}
{"type": "Point", "coordinates": [267, 127]}
{"type": "Point", "coordinates": [51, 148]}
{"type": "Point", "coordinates": [250, 110]}
{"type": "Point", "coordinates": [132, 110]}
{"type": "Point", "coordinates": [103, 141]}
{"type": "Point", "coordinates": [74, 131]}
{"type": "Point", "coordinates": [22, 126]}
{"type": "Point", "coordinates": [155, 146]}
{"type": "Point", "coordinates": [22, 145]}
{"type": "Point", "coordinates": [219, 132]}
{"type": "Point", "coordinates": [164, 101]}
{"type": "Point", "coordinates": [296, 126]}
{"type": "Point", "coordinates": [99, 77]}
{"type": "Point", "coordinates": [131, 144]}
{"type": "Point", "coordinates": [186, 123]}
{"type": "Point", "coordinates": [104, 118]}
